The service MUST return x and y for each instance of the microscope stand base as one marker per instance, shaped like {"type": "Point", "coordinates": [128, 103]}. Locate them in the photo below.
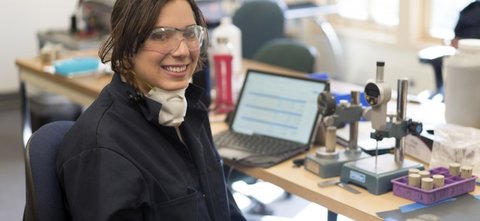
{"type": "Point", "coordinates": [330, 167]}
{"type": "Point", "coordinates": [376, 178]}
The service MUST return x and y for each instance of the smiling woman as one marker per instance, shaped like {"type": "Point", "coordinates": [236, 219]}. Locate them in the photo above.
{"type": "Point", "coordinates": [143, 150]}
{"type": "Point", "coordinates": [173, 68]}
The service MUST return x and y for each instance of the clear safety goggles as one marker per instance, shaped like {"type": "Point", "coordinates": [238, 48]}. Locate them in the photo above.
{"type": "Point", "coordinates": [167, 39]}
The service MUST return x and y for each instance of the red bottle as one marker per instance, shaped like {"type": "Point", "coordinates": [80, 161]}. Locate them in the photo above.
{"type": "Point", "coordinates": [223, 59]}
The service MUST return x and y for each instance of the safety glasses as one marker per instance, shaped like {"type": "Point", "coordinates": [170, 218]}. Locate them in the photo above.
{"type": "Point", "coordinates": [167, 39]}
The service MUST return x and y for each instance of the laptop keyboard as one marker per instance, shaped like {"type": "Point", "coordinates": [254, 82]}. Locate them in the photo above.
{"type": "Point", "coordinates": [254, 143]}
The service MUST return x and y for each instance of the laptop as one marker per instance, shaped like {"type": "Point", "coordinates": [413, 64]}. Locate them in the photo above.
{"type": "Point", "coordinates": [274, 119]}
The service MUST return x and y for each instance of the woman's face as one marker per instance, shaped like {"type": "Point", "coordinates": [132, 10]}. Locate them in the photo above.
{"type": "Point", "coordinates": [167, 60]}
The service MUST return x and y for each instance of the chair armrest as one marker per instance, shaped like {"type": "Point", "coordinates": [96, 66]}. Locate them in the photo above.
{"type": "Point", "coordinates": [430, 53]}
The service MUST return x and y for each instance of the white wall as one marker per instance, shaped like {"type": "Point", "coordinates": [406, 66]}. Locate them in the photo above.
{"type": "Point", "coordinates": [20, 21]}
{"type": "Point", "coordinates": [400, 62]}
{"type": "Point", "coordinates": [360, 55]}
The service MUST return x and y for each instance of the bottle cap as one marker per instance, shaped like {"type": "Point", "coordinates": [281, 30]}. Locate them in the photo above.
{"type": "Point", "coordinates": [226, 20]}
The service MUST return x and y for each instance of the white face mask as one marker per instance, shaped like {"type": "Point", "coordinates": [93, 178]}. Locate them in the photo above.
{"type": "Point", "coordinates": [174, 105]}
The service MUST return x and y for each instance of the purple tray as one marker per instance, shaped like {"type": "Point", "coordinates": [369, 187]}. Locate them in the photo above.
{"type": "Point", "coordinates": [454, 186]}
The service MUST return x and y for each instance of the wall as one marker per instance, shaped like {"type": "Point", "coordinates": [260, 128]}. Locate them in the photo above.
{"type": "Point", "coordinates": [400, 62]}
{"type": "Point", "coordinates": [360, 55]}
{"type": "Point", "coordinates": [20, 21]}
{"type": "Point", "coordinates": [23, 18]}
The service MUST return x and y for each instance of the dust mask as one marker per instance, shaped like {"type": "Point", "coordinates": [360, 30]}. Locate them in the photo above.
{"type": "Point", "coordinates": [174, 105]}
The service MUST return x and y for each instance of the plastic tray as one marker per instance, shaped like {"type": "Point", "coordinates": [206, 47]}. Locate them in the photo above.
{"type": "Point", "coordinates": [454, 186]}
{"type": "Point", "coordinates": [76, 66]}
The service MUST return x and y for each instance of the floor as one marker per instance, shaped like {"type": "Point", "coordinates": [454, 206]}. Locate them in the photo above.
{"type": "Point", "coordinates": [12, 181]}
{"type": "Point", "coordinates": [12, 170]}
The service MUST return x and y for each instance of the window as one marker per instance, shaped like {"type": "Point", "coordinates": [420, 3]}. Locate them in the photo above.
{"type": "Point", "coordinates": [443, 17]}
{"type": "Point", "coordinates": [383, 12]}
{"type": "Point", "coordinates": [400, 21]}
{"type": "Point", "coordinates": [371, 19]}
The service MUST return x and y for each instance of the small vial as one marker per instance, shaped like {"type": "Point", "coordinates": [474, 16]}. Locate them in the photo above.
{"type": "Point", "coordinates": [438, 180]}
{"type": "Point", "coordinates": [454, 169]}
{"type": "Point", "coordinates": [466, 172]}
{"type": "Point", "coordinates": [414, 180]}
{"type": "Point", "coordinates": [427, 183]}
{"type": "Point", "coordinates": [424, 173]}
{"type": "Point", "coordinates": [413, 171]}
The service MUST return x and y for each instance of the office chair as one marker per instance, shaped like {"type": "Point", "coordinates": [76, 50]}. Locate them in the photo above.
{"type": "Point", "coordinates": [260, 21]}
{"type": "Point", "coordinates": [44, 197]}
{"type": "Point", "coordinates": [434, 56]}
{"type": "Point", "coordinates": [288, 53]}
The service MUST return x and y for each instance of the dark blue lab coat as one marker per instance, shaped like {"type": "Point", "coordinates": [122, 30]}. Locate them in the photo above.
{"type": "Point", "coordinates": [118, 163]}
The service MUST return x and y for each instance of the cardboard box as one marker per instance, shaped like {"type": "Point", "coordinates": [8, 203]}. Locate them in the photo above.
{"type": "Point", "coordinates": [419, 147]}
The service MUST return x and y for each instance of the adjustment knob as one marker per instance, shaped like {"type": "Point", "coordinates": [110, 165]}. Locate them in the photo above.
{"type": "Point", "coordinates": [414, 128]}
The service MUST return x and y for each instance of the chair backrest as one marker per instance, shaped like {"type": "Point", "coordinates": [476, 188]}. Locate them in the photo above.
{"type": "Point", "coordinates": [44, 196]}
{"type": "Point", "coordinates": [260, 21]}
{"type": "Point", "coordinates": [288, 53]}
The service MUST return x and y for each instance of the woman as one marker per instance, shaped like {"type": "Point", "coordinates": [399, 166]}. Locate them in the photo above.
{"type": "Point", "coordinates": [143, 150]}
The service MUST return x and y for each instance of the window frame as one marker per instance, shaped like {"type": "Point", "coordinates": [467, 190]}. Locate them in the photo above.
{"type": "Point", "coordinates": [412, 30]}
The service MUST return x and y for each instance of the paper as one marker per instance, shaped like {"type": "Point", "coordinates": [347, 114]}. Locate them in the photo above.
{"type": "Point", "coordinates": [456, 144]}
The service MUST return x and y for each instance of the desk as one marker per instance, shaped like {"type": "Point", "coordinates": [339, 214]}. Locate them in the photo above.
{"type": "Point", "coordinates": [298, 181]}
{"type": "Point", "coordinates": [83, 90]}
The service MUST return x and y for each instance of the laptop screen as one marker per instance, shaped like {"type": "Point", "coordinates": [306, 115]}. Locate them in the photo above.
{"type": "Point", "coordinates": [278, 106]}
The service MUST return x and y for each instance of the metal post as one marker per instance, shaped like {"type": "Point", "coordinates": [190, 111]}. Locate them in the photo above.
{"type": "Point", "coordinates": [353, 141]}
{"type": "Point", "coordinates": [402, 87]}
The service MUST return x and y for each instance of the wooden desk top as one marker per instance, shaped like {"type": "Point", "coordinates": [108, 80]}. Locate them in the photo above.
{"type": "Point", "coordinates": [303, 183]}
{"type": "Point", "coordinates": [91, 85]}
{"type": "Point", "coordinates": [298, 181]}
{"type": "Point", "coordinates": [86, 87]}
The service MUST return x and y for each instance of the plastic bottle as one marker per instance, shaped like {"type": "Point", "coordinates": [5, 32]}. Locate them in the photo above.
{"type": "Point", "coordinates": [462, 84]}
{"type": "Point", "coordinates": [234, 36]}
{"type": "Point", "coordinates": [222, 56]}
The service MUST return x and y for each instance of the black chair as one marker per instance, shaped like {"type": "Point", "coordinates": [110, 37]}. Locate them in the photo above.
{"type": "Point", "coordinates": [44, 201]}
{"type": "Point", "coordinates": [288, 53]}
{"type": "Point", "coordinates": [260, 21]}
{"type": "Point", "coordinates": [434, 56]}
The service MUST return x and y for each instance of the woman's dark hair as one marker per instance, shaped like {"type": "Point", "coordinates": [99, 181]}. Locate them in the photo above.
{"type": "Point", "coordinates": [131, 23]}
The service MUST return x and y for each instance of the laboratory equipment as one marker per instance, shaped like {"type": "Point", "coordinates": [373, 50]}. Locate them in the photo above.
{"type": "Point", "coordinates": [375, 173]}
{"type": "Point", "coordinates": [327, 161]}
